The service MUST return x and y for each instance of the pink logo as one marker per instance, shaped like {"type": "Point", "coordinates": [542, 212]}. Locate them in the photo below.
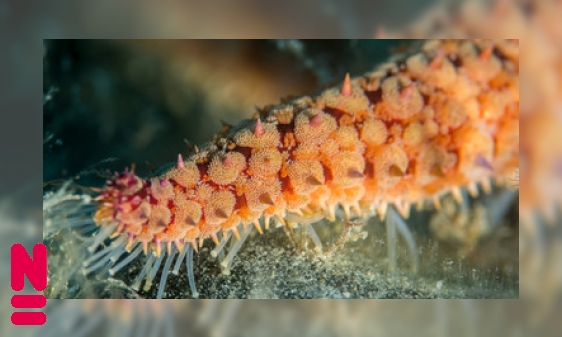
{"type": "Point", "coordinates": [35, 268]}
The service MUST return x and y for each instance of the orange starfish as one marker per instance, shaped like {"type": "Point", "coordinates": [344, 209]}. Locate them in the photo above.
{"type": "Point", "coordinates": [428, 123]}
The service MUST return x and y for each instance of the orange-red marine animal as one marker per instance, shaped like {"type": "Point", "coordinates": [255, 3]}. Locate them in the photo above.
{"type": "Point", "coordinates": [427, 123]}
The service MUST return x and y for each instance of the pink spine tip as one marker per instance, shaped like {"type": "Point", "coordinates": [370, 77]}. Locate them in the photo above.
{"type": "Point", "coordinates": [316, 120]}
{"type": "Point", "coordinates": [180, 164]}
{"type": "Point", "coordinates": [438, 60]}
{"type": "Point", "coordinates": [227, 160]}
{"type": "Point", "coordinates": [163, 182]}
{"type": "Point", "coordinates": [132, 179]}
{"type": "Point", "coordinates": [482, 161]}
{"type": "Point", "coordinates": [487, 52]}
{"type": "Point", "coordinates": [258, 131]}
{"type": "Point", "coordinates": [346, 87]}
{"type": "Point", "coordinates": [407, 92]}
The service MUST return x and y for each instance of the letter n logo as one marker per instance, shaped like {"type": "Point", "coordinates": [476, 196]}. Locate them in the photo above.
{"type": "Point", "coordinates": [35, 268]}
